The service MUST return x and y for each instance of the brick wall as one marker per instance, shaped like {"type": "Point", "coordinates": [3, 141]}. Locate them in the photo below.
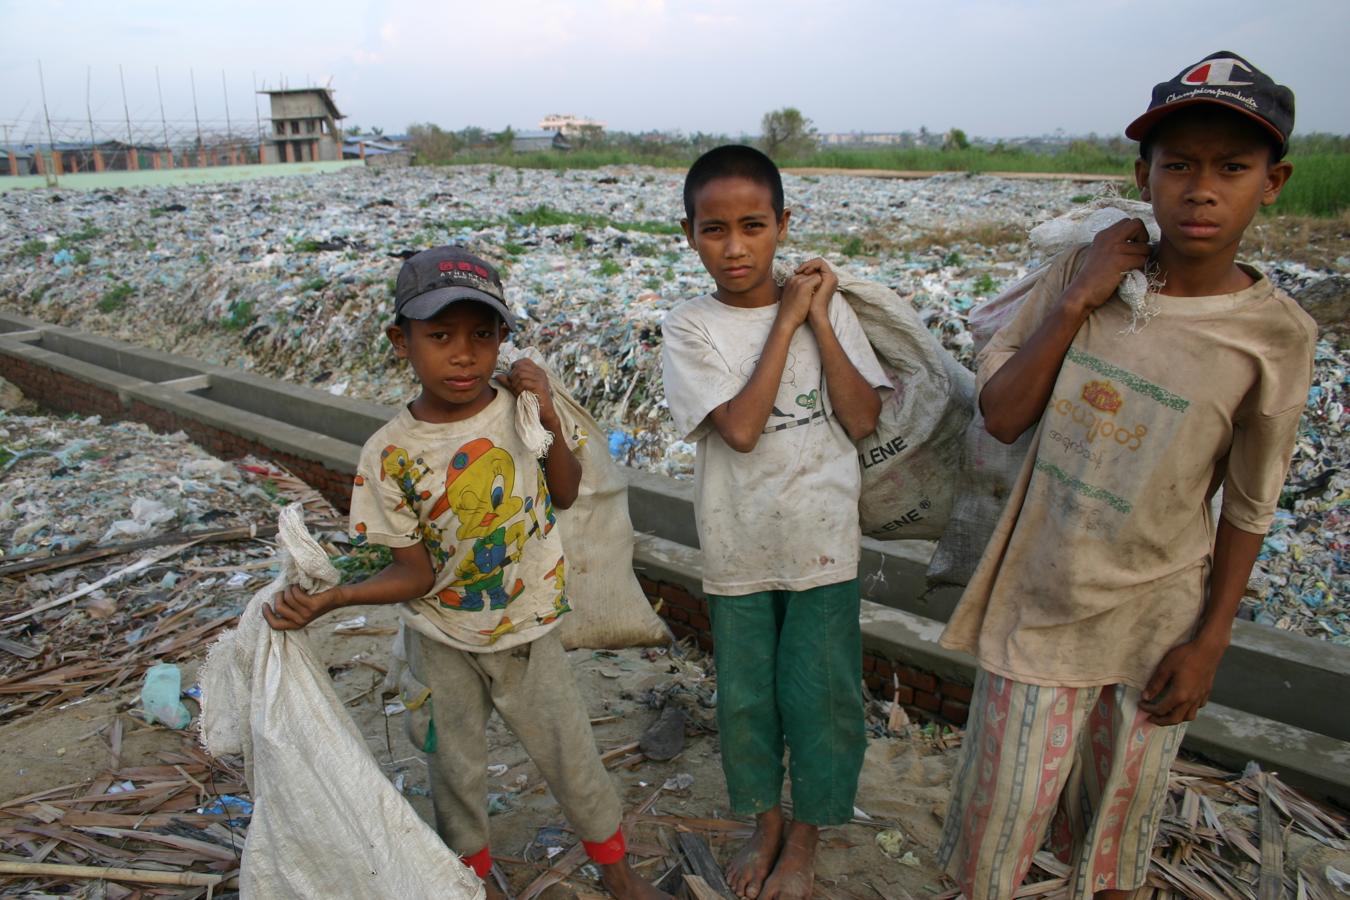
{"type": "Point", "coordinates": [62, 392]}
{"type": "Point", "coordinates": [59, 391]}
{"type": "Point", "coordinates": [933, 697]}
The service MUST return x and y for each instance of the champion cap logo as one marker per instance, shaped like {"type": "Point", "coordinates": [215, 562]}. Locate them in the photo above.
{"type": "Point", "coordinates": [1216, 72]}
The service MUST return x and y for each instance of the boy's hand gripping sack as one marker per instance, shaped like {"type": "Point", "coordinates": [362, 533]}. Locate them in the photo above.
{"type": "Point", "coordinates": [609, 610]}
{"type": "Point", "coordinates": [326, 820]}
{"type": "Point", "coordinates": [909, 464]}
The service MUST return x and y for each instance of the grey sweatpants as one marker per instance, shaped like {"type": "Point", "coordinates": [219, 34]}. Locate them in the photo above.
{"type": "Point", "coordinates": [532, 688]}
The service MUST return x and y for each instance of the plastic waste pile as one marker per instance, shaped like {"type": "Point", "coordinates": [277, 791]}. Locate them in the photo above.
{"type": "Point", "coordinates": [293, 278]}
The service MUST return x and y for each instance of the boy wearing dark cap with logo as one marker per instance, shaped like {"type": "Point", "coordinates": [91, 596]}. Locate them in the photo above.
{"type": "Point", "coordinates": [467, 512]}
{"type": "Point", "coordinates": [1106, 596]}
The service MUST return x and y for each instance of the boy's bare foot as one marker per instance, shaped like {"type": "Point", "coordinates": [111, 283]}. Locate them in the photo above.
{"type": "Point", "coordinates": [621, 881]}
{"type": "Point", "coordinates": [794, 874]}
{"type": "Point", "coordinates": [751, 865]}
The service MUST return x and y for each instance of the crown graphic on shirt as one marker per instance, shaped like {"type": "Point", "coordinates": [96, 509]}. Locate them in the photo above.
{"type": "Point", "coordinates": [1103, 397]}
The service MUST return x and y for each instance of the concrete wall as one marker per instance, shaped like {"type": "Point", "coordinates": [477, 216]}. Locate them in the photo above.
{"type": "Point", "coordinates": [1279, 697]}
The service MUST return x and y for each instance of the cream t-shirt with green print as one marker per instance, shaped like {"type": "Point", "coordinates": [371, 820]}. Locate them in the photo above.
{"type": "Point", "coordinates": [476, 498]}
{"type": "Point", "coordinates": [1100, 563]}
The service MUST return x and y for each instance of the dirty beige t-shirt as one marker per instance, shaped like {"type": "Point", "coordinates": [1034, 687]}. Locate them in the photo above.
{"type": "Point", "coordinates": [785, 515]}
{"type": "Point", "coordinates": [1100, 562]}
{"type": "Point", "coordinates": [476, 498]}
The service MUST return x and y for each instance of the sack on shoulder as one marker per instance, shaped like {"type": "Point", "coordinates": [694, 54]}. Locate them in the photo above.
{"type": "Point", "coordinates": [910, 463]}
{"type": "Point", "coordinates": [609, 610]}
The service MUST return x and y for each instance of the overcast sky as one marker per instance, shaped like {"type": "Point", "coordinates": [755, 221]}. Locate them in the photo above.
{"type": "Point", "coordinates": [996, 69]}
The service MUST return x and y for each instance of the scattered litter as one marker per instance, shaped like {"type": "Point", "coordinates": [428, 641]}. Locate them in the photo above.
{"type": "Point", "coordinates": [351, 624]}
{"type": "Point", "coordinates": [497, 770]}
{"type": "Point", "coordinates": [160, 697]}
{"type": "Point", "coordinates": [681, 782]}
{"type": "Point", "coordinates": [890, 842]}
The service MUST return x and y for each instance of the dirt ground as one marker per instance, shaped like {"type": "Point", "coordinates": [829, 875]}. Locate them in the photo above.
{"type": "Point", "coordinates": [903, 781]}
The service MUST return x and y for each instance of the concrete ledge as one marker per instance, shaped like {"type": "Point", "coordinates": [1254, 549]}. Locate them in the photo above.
{"type": "Point", "coordinates": [328, 452]}
{"type": "Point", "coordinates": [1314, 763]}
{"type": "Point", "coordinates": [34, 354]}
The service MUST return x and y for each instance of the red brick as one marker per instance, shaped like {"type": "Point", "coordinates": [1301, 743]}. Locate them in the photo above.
{"type": "Point", "coordinates": [869, 663]}
{"type": "Point", "coordinates": [680, 630]}
{"type": "Point", "coordinates": [675, 614]}
{"type": "Point", "coordinates": [678, 596]}
{"type": "Point", "coordinates": [955, 711]}
{"type": "Point", "coordinates": [649, 587]}
{"type": "Point", "coordinates": [705, 642]}
{"type": "Point", "coordinates": [956, 691]}
{"type": "Point", "coordinates": [875, 683]}
{"type": "Point", "coordinates": [700, 621]}
{"type": "Point", "coordinates": [922, 681]}
{"type": "Point", "coordinates": [925, 700]}
{"type": "Point", "coordinates": [904, 694]}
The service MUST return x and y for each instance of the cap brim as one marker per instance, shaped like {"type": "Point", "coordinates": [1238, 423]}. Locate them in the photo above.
{"type": "Point", "coordinates": [1140, 127]}
{"type": "Point", "coordinates": [428, 305]}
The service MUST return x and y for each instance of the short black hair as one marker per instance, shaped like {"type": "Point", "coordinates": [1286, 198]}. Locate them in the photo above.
{"type": "Point", "coordinates": [733, 161]}
{"type": "Point", "coordinates": [401, 322]}
{"type": "Point", "coordinates": [1146, 142]}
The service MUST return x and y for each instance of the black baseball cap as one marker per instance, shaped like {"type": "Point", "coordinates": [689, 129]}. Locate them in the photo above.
{"type": "Point", "coordinates": [1228, 80]}
{"type": "Point", "coordinates": [433, 279]}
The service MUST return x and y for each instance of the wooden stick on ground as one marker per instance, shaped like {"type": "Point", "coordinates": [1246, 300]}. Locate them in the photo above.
{"type": "Point", "coordinates": [144, 562]}
{"type": "Point", "coordinates": [65, 560]}
{"type": "Point", "coordinates": [1271, 883]}
{"type": "Point", "coordinates": [144, 876]}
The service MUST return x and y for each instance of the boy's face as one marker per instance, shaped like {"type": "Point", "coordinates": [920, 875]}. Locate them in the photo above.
{"type": "Point", "coordinates": [1208, 173]}
{"type": "Point", "coordinates": [453, 355]}
{"type": "Point", "coordinates": [735, 233]}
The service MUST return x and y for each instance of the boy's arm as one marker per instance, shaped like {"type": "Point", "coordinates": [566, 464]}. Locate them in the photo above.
{"type": "Point", "coordinates": [740, 421]}
{"type": "Point", "coordinates": [408, 577]}
{"type": "Point", "coordinates": [856, 403]}
{"type": "Point", "coordinates": [1182, 682]}
{"type": "Point", "coordinates": [1015, 396]}
{"type": "Point", "coordinates": [562, 469]}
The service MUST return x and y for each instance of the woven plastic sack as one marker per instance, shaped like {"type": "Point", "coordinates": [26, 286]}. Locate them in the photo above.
{"type": "Point", "coordinates": [1077, 226]}
{"type": "Point", "coordinates": [609, 609]}
{"type": "Point", "coordinates": [326, 821]}
{"type": "Point", "coordinates": [989, 468]}
{"type": "Point", "coordinates": [910, 463]}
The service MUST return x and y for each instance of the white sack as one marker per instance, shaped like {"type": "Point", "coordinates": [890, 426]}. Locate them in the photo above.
{"type": "Point", "coordinates": [609, 610]}
{"type": "Point", "coordinates": [910, 463]}
{"type": "Point", "coordinates": [326, 821]}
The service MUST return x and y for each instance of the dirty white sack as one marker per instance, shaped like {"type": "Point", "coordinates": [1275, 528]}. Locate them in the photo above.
{"type": "Point", "coordinates": [989, 467]}
{"type": "Point", "coordinates": [609, 609]}
{"type": "Point", "coordinates": [909, 464]}
{"type": "Point", "coordinates": [326, 821]}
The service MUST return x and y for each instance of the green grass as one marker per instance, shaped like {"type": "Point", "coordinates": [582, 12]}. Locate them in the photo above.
{"type": "Point", "coordinates": [87, 233]}
{"type": "Point", "coordinates": [82, 257]}
{"type": "Point", "coordinates": [952, 259]}
{"type": "Point", "coordinates": [983, 285]}
{"type": "Point", "coordinates": [32, 249]}
{"type": "Point", "coordinates": [609, 267]}
{"type": "Point", "coordinates": [1320, 186]}
{"type": "Point", "coordinates": [543, 216]}
{"type": "Point", "coordinates": [362, 562]}
{"type": "Point", "coordinates": [239, 316]}
{"type": "Point", "coordinates": [314, 284]}
{"type": "Point", "coordinates": [115, 298]}
{"type": "Point", "coordinates": [852, 247]}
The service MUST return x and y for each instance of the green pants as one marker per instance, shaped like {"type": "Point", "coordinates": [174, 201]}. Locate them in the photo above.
{"type": "Point", "coordinates": [789, 667]}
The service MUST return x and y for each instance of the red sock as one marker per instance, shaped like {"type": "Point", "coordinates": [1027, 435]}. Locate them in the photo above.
{"type": "Point", "coordinates": [610, 850]}
{"type": "Point", "coordinates": [480, 862]}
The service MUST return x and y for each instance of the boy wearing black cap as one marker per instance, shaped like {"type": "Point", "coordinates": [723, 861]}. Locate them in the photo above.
{"type": "Point", "coordinates": [1106, 596]}
{"type": "Point", "coordinates": [467, 512]}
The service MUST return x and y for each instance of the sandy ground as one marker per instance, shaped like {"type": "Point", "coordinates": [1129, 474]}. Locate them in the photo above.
{"type": "Point", "coordinates": [903, 782]}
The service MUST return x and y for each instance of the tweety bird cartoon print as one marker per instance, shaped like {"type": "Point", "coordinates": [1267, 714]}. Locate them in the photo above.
{"type": "Point", "coordinates": [479, 487]}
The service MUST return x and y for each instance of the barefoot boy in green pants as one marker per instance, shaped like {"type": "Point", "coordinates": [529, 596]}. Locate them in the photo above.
{"type": "Point", "coordinates": [774, 384]}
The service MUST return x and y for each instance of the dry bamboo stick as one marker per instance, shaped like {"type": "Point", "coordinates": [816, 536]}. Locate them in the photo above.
{"type": "Point", "coordinates": [144, 876]}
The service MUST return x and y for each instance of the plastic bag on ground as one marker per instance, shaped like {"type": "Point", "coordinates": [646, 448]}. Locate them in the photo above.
{"type": "Point", "coordinates": [909, 464]}
{"type": "Point", "coordinates": [326, 821]}
{"type": "Point", "coordinates": [609, 610]}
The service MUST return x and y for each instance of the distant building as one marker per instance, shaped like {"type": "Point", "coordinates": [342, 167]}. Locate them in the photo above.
{"type": "Point", "coordinates": [377, 151]}
{"type": "Point", "coordinates": [304, 126]}
{"type": "Point", "coordinates": [867, 139]}
{"type": "Point", "coordinates": [539, 141]}
{"type": "Point", "coordinates": [569, 126]}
